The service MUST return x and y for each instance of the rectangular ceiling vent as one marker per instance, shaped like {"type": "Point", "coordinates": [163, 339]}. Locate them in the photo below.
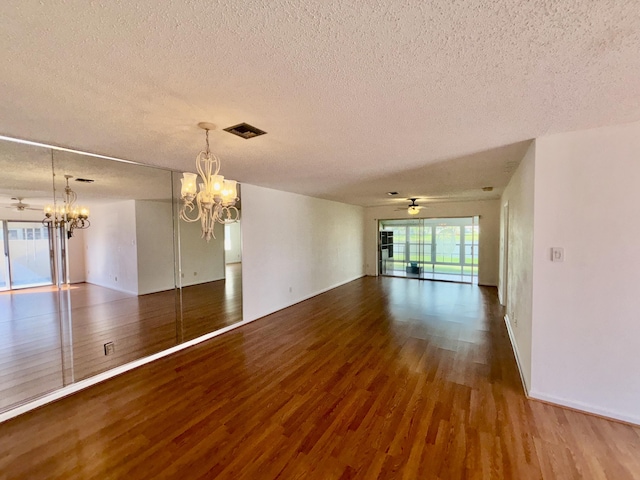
{"type": "Point", "coordinates": [245, 131]}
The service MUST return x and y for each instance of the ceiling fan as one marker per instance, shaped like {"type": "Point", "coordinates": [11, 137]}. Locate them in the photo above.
{"type": "Point", "coordinates": [20, 206]}
{"type": "Point", "coordinates": [413, 208]}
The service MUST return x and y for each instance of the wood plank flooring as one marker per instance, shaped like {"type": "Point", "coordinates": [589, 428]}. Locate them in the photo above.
{"type": "Point", "coordinates": [40, 353]}
{"type": "Point", "coordinates": [380, 378]}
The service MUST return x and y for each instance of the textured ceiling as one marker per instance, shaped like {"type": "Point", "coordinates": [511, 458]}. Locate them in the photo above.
{"type": "Point", "coordinates": [30, 172]}
{"type": "Point", "coordinates": [432, 99]}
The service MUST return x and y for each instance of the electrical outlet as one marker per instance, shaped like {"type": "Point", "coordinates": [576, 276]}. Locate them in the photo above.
{"type": "Point", "coordinates": [109, 348]}
{"type": "Point", "coordinates": [557, 254]}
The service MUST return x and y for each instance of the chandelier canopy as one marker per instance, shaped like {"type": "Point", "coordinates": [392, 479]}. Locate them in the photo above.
{"type": "Point", "coordinates": [69, 215]}
{"type": "Point", "coordinates": [216, 198]}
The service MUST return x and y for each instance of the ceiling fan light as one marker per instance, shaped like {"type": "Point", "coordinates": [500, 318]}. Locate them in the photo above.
{"type": "Point", "coordinates": [413, 210]}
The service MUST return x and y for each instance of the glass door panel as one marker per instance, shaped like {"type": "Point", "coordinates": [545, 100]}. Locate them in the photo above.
{"type": "Point", "coordinates": [29, 254]}
{"type": "Point", "coordinates": [4, 253]}
{"type": "Point", "coordinates": [434, 248]}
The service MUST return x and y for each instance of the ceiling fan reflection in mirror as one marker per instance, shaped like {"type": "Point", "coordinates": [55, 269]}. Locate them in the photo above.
{"type": "Point", "coordinates": [20, 206]}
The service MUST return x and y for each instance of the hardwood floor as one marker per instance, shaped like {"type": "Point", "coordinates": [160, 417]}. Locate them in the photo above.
{"type": "Point", "coordinates": [380, 378]}
{"type": "Point", "coordinates": [49, 339]}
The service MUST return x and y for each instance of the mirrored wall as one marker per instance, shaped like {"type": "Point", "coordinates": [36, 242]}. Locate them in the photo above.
{"type": "Point", "coordinates": [129, 280]}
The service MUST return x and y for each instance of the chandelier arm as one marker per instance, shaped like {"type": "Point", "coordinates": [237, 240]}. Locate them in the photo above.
{"type": "Point", "coordinates": [212, 159]}
{"type": "Point", "coordinates": [231, 215]}
{"type": "Point", "coordinates": [186, 209]}
{"type": "Point", "coordinates": [200, 168]}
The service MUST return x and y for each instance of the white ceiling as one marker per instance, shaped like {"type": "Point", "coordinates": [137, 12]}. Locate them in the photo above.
{"type": "Point", "coordinates": [432, 99]}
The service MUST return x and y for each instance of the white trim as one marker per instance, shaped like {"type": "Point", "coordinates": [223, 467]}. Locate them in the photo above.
{"type": "Point", "coordinates": [336, 285]}
{"type": "Point", "coordinates": [320, 292]}
{"type": "Point", "coordinates": [72, 150]}
{"type": "Point", "coordinates": [500, 297]}
{"type": "Point", "coordinates": [584, 407]}
{"type": "Point", "coordinates": [101, 377]}
{"type": "Point", "coordinates": [516, 353]}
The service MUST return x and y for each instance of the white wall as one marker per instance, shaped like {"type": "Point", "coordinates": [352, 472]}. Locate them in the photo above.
{"type": "Point", "coordinates": [154, 235]}
{"type": "Point", "coordinates": [234, 254]}
{"type": "Point", "coordinates": [295, 247]}
{"type": "Point", "coordinates": [75, 254]}
{"type": "Point", "coordinates": [519, 195]}
{"type": "Point", "coordinates": [200, 261]}
{"type": "Point", "coordinates": [111, 252]}
{"type": "Point", "coordinates": [488, 210]}
{"type": "Point", "coordinates": [586, 331]}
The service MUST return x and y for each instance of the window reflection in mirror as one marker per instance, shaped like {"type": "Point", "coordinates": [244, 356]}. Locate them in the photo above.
{"type": "Point", "coordinates": [31, 361]}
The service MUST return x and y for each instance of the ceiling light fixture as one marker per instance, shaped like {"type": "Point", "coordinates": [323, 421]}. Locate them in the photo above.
{"type": "Point", "coordinates": [216, 199]}
{"type": "Point", "coordinates": [68, 215]}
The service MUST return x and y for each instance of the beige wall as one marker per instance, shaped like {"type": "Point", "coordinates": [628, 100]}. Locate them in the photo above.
{"type": "Point", "coordinates": [488, 210]}
{"type": "Point", "coordinates": [519, 196]}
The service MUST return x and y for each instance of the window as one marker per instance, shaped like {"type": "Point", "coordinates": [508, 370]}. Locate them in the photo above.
{"type": "Point", "coordinates": [227, 238]}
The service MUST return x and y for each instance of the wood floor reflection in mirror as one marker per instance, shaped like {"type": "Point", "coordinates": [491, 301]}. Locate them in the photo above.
{"type": "Point", "coordinates": [31, 351]}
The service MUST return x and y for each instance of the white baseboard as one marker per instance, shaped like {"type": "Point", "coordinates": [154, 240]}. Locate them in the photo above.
{"type": "Point", "coordinates": [307, 297]}
{"type": "Point", "coordinates": [516, 353]}
{"type": "Point", "coordinates": [324, 290]}
{"type": "Point", "coordinates": [584, 407]}
{"type": "Point", "coordinates": [563, 402]}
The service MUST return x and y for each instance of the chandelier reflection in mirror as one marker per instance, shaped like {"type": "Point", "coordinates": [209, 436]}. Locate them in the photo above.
{"type": "Point", "coordinates": [216, 198]}
{"type": "Point", "coordinates": [68, 215]}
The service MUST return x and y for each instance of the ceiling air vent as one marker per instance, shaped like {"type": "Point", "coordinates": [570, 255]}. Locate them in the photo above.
{"type": "Point", "coordinates": [84, 180]}
{"type": "Point", "coordinates": [245, 130]}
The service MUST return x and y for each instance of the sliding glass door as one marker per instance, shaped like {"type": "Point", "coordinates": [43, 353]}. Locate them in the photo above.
{"type": "Point", "coordinates": [27, 255]}
{"type": "Point", "coordinates": [431, 249]}
{"type": "Point", "coordinates": [4, 263]}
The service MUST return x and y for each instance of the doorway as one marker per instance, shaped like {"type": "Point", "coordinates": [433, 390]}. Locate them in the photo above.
{"type": "Point", "coordinates": [430, 248]}
{"type": "Point", "coordinates": [28, 255]}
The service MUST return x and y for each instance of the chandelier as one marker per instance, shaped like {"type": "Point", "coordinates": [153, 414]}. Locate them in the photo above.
{"type": "Point", "coordinates": [68, 215]}
{"type": "Point", "coordinates": [216, 199]}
